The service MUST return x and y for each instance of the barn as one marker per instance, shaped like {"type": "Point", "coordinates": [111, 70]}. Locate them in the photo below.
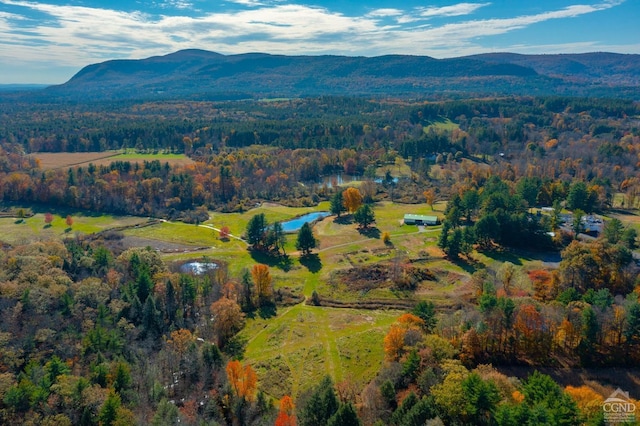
{"type": "Point", "coordinates": [419, 219]}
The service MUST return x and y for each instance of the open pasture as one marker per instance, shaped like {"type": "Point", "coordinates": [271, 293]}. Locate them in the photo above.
{"type": "Point", "coordinates": [62, 160]}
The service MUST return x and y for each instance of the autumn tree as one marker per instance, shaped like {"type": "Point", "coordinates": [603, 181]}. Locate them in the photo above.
{"type": "Point", "coordinates": [430, 197]}
{"type": "Point", "coordinates": [228, 319]}
{"type": "Point", "coordinates": [243, 380]}
{"type": "Point", "coordinates": [394, 342]}
{"type": "Point", "coordinates": [225, 232]}
{"type": "Point", "coordinates": [286, 414]}
{"type": "Point", "coordinates": [352, 199]}
{"type": "Point", "coordinates": [262, 283]}
{"type": "Point", "coordinates": [69, 221]}
{"type": "Point", "coordinates": [48, 218]}
{"type": "Point", "coordinates": [587, 400]}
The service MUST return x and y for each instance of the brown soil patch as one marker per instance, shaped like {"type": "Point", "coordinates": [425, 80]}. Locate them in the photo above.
{"type": "Point", "coordinates": [57, 160]}
{"type": "Point", "coordinates": [382, 275]}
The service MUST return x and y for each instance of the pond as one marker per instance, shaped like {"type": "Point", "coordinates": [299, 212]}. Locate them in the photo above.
{"type": "Point", "coordinates": [294, 225]}
{"type": "Point", "coordinates": [198, 268]}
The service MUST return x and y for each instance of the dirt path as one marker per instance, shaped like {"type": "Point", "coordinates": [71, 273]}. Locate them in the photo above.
{"type": "Point", "coordinates": [203, 226]}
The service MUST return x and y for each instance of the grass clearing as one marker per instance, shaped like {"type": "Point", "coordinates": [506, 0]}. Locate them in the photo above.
{"type": "Point", "coordinates": [445, 124]}
{"type": "Point", "coordinates": [309, 342]}
{"type": "Point", "coordinates": [34, 228]}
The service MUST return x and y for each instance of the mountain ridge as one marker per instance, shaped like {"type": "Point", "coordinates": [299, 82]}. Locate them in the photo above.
{"type": "Point", "coordinates": [196, 73]}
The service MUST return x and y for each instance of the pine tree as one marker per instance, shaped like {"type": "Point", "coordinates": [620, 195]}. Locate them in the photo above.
{"type": "Point", "coordinates": [321, 406]}
{"type": "Point", "coordinates": [337, 204]}
{"type": "Point", "coordinates": [345, 416]}
{"type": "Point", "coordinates": [364, 216]}
{"type": "Point", "coordinates": [306, 240]}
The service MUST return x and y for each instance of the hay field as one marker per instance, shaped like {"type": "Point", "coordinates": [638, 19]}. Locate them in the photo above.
{"type": "Point", "coordinates": [61, 160]}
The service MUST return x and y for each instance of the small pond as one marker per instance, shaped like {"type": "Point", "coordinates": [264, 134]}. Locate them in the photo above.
{"type": "Point", "coordinates": [198, 268]}
{"type": "Point", "coordinates": [294, 225]}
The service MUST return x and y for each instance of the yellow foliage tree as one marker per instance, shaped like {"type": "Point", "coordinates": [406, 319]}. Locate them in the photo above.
{"type": "Point", "coordinates": [262, 281]}
{"type": "Point", "coordinates": [180, 340]}
{"type": "Point", "coordinates": [430, 197]}
{"type": "Point", "coordinates": [589, 402]}
{"type": "Point", "coordinates": [351, 199]}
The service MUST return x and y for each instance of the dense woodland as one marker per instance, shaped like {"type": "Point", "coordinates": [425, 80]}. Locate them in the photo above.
{"type": "Point", "coordinates": [91, 334]}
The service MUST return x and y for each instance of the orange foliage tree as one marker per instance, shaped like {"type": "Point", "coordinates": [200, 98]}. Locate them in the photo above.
{"type": "Point", "coordinates": [243, 380]}
{"type": "Point", "coordinates": [543, 285]}
{"type": "Point", "coordinates": [287, 414]}
{"type": "Point", "coordinates": [351, 199]}
{"type": "Point", "coordinates": [394, 340]}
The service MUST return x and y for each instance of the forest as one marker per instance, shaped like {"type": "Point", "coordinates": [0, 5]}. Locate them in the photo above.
{"type": "Point", "coordinates": [96, 333]}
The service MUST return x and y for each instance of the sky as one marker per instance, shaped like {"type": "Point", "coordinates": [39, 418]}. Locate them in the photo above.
{"type": "Point", "coordinates": [47, 42]}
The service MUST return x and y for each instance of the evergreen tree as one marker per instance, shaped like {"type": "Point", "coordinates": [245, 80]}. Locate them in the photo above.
{"type": "Point", "coordinates": [109, 411]}
{"type": "Point", "coordinates": [345, 416]}
{"type": "Point", "coordinates": [170, 303]}
{"type": "Point", "coordinates": [151, 323]}
{"type": "Point", "coordinates": [364, 216]}
{"type": "Point", "coordinates": [426, 311]}
{"type": "Point", "coordinates": [277, 238]}
{"type": "Point", "coordinates": [256, 228]}
{"type": "Point", "coordinates": [337, 204]}
{"type": "Point", "coordinates": [306, 240]}
{"type": "Point", "coordinates": [454, 244]}
{"type": "Point", "coordinates": [443, 239]}
{"type": "Point", "coordinates": [321, 405]}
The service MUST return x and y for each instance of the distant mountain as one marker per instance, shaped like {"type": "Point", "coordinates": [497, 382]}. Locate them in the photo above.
{"type": "Point", "coordinates": [199, 74]}
{"type": "Point", "coordinates": [601, 68]}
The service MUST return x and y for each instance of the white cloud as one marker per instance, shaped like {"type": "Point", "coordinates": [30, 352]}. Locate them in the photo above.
{"type": "Point", "coordinates": [453, 10]}
{"type": "Point", "coordinates": [178, 4]}
{"type": "Point", "coordinates": [383, 13]}
{"type": "Point", "coordinates": [247, 2]}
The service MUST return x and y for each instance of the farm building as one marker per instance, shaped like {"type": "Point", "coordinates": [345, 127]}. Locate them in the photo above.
{"type": "Point", "coordinates": [419, 219]}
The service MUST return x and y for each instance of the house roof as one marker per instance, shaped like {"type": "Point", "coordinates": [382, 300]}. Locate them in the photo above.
{"type": "Point", "coordinates": [422, 217]}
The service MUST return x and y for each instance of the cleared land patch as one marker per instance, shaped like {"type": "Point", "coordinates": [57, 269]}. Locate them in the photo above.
{"type": "Point", "coordinates": [58, 160]}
